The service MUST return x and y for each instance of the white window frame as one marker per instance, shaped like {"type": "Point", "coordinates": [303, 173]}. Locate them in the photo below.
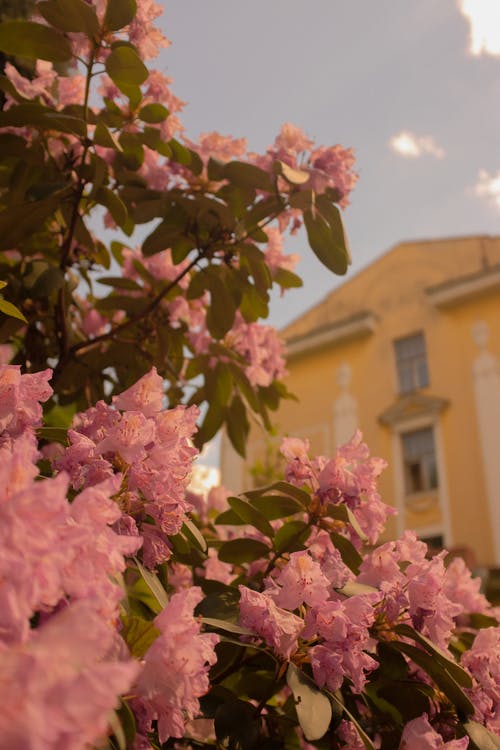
{"type": "Point", "coordinates": [400, 496]}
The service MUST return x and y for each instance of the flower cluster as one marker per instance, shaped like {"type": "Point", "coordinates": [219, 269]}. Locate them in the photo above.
{"type": "Point", "coordinates": [152, 450]}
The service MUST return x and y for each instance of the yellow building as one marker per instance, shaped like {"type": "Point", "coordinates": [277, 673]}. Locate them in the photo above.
{"type": "Point", "coordinates": [408, 350]}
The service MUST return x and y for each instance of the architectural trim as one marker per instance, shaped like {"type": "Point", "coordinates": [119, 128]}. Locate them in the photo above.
{"type": "Point", "coordinates": [410, 406]}
{"type": "Point", "coordinates": [356, 326]}
{"type": "Point", "coordinates": [460, 290]}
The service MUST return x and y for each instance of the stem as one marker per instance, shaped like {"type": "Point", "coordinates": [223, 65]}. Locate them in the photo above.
{"type": "Point", "coordinates": [85, 345]}
{"type": "Point", "coordinates": [61, 310]}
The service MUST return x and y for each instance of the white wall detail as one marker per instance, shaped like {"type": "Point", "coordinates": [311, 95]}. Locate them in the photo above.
{"type": "Point", "coordinates": [345, 408]}
{"type": "Point", "coordinates": [486, 377]}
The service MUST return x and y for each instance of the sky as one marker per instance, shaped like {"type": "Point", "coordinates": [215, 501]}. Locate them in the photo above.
{"type": "Point", "coordinates": [413, 87]}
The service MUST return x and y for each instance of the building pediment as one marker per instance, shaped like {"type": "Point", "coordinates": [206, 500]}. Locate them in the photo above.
{"type": "Point", "coordinates": [410, 406]}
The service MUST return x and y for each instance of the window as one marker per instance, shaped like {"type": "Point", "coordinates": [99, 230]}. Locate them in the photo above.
{"type": "Point", "coordinates": [419, 458]}
{"type": "Point", "coordinates": [411, 363]}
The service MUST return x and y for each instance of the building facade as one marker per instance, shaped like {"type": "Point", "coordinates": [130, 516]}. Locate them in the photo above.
{"type": "Point", "coordinates": [408, 350]}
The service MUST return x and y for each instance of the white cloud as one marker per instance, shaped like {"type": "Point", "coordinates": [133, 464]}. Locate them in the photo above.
{"type": "Point", "coordinates": [488, 186]}
{"type": "Point", "coordinates": [412, 146]}
{"type": "Point", "coordinates": [484, 20]}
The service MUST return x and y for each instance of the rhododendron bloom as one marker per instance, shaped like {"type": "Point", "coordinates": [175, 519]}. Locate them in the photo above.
{"type": "Point", "coordinates": [262, 349]}
{"type": "Point", "coordinates": [483, 662]}
{"type": "Point", "coordinates": [418, 733]}
{"type": "Point", "coordinates": [344, 627]}
{"type": "Point", "coordinates": [280, 629]}
{"type": "Point", "coordinates": [58, 689]}
{"type": "Point", "coordinates": [145, 396]}
{"type": "Point", "coordinates": [19, 398]}
{"type": "Point", "coordinates": [300, 580]}
{"type": "Point", "coordinates": [175, 673]}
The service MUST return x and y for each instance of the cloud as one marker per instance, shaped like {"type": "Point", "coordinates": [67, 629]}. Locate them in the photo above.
{"type": "Point", "coordinates": [488, 186]}
{"type": "Point", "coordinates": [484, 21]}
{"type": "Point", "coordinates": [413, 146]}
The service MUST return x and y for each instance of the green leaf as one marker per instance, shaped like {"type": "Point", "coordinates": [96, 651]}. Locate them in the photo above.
{"type": "Point", "coordinates": [482, 737]}
{"type": "Point", "coordinates": [291, 536]}
{"type": "Point", "coordinates": [104, 137]}
{"type": "Point", "coordinates": [293, 176]}
{"type": "Point", "coordinates": [153, 583]}
{"type": "Point", "coordinates": [348, 552]}
{"type": "Point", "coordinates": [114, 204]}
{"type": "Point", "coordinates": [229, 518]}
{"type": "Point", "coordinates": [222, 309]}
{"type": "Point", "coordinates": [328, 241]}
{"type": "Point", "coordinates": [194, 534]}
{"type": "Point", "coordinates": [438, 673]}
{"type": "Point", "coordinates": [49, 281]}
{"type": "Point", "coordinates": [153, 113]}
{"type": "Point", "coordinates": [119, 734]}
{"type": "Point", "coordinates": [222, 605]}
{"type": "Point", "coordinates": [286, 489]}
{"type": "Point", "coordinates": [119, 13]}
{"type": "Point", "coordinates": [120, 282]}
{"type": "Point", "coordinates": [185, 156]}
{"type": "Point", "coordinates": [70, 15]}
{"type": "Point", "coordinates": [21, 220]}
{"type": "Point", "coordinates": [34, 41]}
{"type": "Point", "coordinates": [250, 515]}
{"type": "Point", "coordinates": [313, 708]}
{"type": "Point", "coordinates": [247, 175]}
{"type": "Point", "coordinates": [125, 67]}
{"type": "Point", "coordinates": [138, 634]}
{"type": "Point", "coordinates": [237, 726]}
{"type": "Point", "coordinates": [127, 720]}
{"type": "Point", "coordinates": [42, 118]}
{"type": "Point", "coordinates": [277, 506]}
{"type": "Point", "coordinates": [342, 513]}
{"type": "Point", "coordinates": [211, 423]}
{"type": "Point", "coordinates": [227, 627]}
{"type": "Point", "coordinates": [287, 279]}
{"type": "Point", "coordinates": [242, 550]}
{"type": "Point", "coordinates": [53, 434]}
{"type": "Point", "coordinates": [237, 425]}
{"type": "Point", "coordinates": [7, 308]}
{"type": "Point", "coordinates": [363, 736]}
{"type": "Point", "coordinates": [456, 671]}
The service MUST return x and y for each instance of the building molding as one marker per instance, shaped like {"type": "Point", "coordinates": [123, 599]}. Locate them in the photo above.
{"type": "Point", "coordinates": [354, 327]}
{"type": "Point", "coordinates": [413, 405]}
{"type": "Point", "coordinates": [465, 288]}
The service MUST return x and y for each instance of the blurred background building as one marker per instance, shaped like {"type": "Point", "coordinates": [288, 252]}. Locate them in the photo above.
{"type": "Point", "coordinates": [408, 350]}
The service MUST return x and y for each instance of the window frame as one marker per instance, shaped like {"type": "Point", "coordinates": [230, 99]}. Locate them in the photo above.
{"type": "Point", "coordinates": [426, 477]}
{"type": "Point", "coordinates": [412, 367]}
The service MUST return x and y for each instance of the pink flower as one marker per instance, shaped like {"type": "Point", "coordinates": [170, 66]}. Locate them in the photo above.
{"type": "Point", "coordinates": [344, 627]}
{"type": "Point", "coordinates": [418, 733]}
{"type": "Point", "coordinates": [483, 662]}
{"type": "Point", "coordinates": [217, 570]}
{"type": "Point", "coordinates": [298, 469]}
{"type": "Point", "coordinates": [146, 395]}
{"type": "Point", "coordinates": [58, 689]}
{"type": "Point", "coordinates": [19, 398]}
{"type": "Point", "coordinates": [147, 38]}
{"type": "Point", "coordinates": [279, 629]}
{"type": "Point", "coordinates": [300, 580]}
{"type": "Point", "coordinates": [175, 673]}
{"type": "Point", "coordinates": [431, 611]}
{"type": "Point", "coordinates": [262, 349]}
{"type": "Point", "coordinates": [275, 258]}
{"type": "Point", "coordinates": [460, 587]}
{"type": "Point", "coordinates": [350, 736]}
